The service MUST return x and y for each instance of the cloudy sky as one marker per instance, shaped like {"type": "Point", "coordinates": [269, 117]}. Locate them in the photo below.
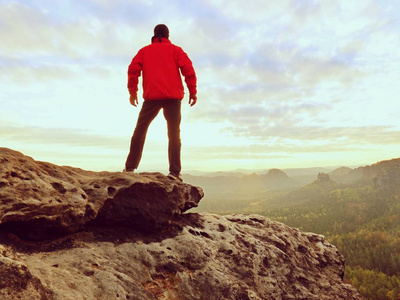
{"type": "Point", "coordinates": [281, 83]}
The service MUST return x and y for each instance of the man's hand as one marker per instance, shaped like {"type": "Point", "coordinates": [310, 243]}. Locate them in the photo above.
{"type": "Point", "coordinates": [133, 100]}
{"type": "Point", "coordinates": [192, 100]}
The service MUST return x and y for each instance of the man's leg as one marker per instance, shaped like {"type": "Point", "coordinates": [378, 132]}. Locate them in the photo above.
{"type": "Point", "coordinates": [172, 113]}
{"type": "Point", "coordinates": [147, 114]}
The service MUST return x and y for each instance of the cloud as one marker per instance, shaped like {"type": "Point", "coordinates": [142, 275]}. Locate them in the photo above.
{"type": "Point", "coordinates": [339, 136]}
{"type": "Point", "coordinates": [317, 54]}
{"type": "Point", "coordinates": [293, 75]}
{"type": "Point", "coordinates": [29, 32]}
{"type": "Point", "coordinates": [61, 136]}
{"type": "Point", "coordinates": [18, 72]}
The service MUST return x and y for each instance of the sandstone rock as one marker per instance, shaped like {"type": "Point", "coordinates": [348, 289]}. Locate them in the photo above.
{"type": "Point", "coordinates": [39, 199]}
{"type": "Point", "coordinates": [16, 281]}
{"type": "Point", "coordinates": [125, 236]}
{"type": "Point", "coordinates": [209, 257]}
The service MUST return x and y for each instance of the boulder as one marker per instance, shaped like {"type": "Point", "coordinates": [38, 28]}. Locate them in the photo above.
{"type": "Point", "coordinates": [39, 199]}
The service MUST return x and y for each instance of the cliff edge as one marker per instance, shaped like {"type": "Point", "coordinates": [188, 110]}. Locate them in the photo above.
{"type": "Point", "coordinates": [67, 233]}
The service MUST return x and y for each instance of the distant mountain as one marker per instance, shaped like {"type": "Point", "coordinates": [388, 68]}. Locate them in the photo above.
{"type": "Point", "coordinates": [234, 191]}
{"type": "Point", "coordinates": [302, 175]}
{"type": "Point", "coordinates": [380, 173]}
{"type": "Point", "coordinates": [277, 179]}
{"type": "Point", "coordinates": [277, 174]}
{"type": "Point", "coordinates": [342, 171]}
{"type": "Point", "coordinates": [388, 167]}
{"type": "Point", "coordinates": [234, 183]}
{"type": "Point", "coordinates": [306, 175]}
{"type": "Point", "coordinates": [344, 175]}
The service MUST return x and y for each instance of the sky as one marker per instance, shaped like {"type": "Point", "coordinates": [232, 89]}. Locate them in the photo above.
{"type": "Point", "coordinates": [281, 83]}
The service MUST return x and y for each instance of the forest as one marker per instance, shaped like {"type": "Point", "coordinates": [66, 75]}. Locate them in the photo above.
{"type": "Point", "coordinates": [362, 222]}
{"type": "Point", "coordinates": [361, 219]}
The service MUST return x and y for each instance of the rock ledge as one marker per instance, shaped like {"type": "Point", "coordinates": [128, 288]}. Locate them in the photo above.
{"type": "Point", "coordinates": [39, 199]}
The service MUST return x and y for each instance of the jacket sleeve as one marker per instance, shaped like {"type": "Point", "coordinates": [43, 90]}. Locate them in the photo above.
{"type": "Point", "coordinates": [187, 70]}
{"type": "Point", "coordinates": [134, 72]}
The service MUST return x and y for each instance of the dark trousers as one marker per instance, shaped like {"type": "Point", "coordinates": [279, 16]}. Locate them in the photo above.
{"type": "Point", "coordinates": [172, 113]}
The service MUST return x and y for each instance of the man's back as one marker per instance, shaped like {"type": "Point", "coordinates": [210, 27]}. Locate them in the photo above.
{"type": "Point", "coordinates": [161, 63]}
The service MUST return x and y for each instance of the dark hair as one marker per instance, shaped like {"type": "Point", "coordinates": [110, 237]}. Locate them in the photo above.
{"type": "Point", "coordinates": [161, 30]}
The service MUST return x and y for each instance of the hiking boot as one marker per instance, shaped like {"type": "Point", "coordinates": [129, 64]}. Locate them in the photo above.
{"type": "Point", "coordinates": [128, 170]}
{"type": "Point", "coordinates": [175, 176]}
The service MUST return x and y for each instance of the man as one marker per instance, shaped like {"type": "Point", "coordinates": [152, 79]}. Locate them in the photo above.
{"type": "Point", "coordinates": [161, 63]}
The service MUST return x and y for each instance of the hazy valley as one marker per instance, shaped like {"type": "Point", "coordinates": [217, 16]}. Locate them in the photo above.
{"type": "Point", "coordinates": [357, 209]}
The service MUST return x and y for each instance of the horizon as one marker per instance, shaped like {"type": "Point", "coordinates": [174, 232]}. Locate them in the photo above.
{"type": "Point", "coordinates": [288, 84]}
{"type": "Point", "coordinates": [245, 171]}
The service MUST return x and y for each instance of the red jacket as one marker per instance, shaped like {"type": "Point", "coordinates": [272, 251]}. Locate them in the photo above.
{"type": "Point", "coordinates": [160, 63]}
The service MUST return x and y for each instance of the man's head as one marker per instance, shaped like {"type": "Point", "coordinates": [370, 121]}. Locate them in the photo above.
{"type": "Point", "coordinates": [161, 30]}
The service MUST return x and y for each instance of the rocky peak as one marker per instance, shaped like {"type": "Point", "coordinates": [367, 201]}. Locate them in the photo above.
{"type": "Point", "coordinates": [67, 233]}
{"type": "Point", "coordinates": [323, 177]}
{"type": "Point", "coordinates": [277, 173]}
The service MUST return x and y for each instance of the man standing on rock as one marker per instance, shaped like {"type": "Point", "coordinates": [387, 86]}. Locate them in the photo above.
{"type": "Point", "coordinates": [162, 64]}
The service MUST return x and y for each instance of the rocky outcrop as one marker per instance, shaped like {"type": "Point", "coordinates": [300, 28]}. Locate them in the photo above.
{"type": "Point", "coordinates": [323, 178]}
{"type": "Point", "coordinates": [210, 257]}
{"type": "Point", "coordinates": [66, 233]}
{"type": "Point", "coordinates": [40, 199]}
